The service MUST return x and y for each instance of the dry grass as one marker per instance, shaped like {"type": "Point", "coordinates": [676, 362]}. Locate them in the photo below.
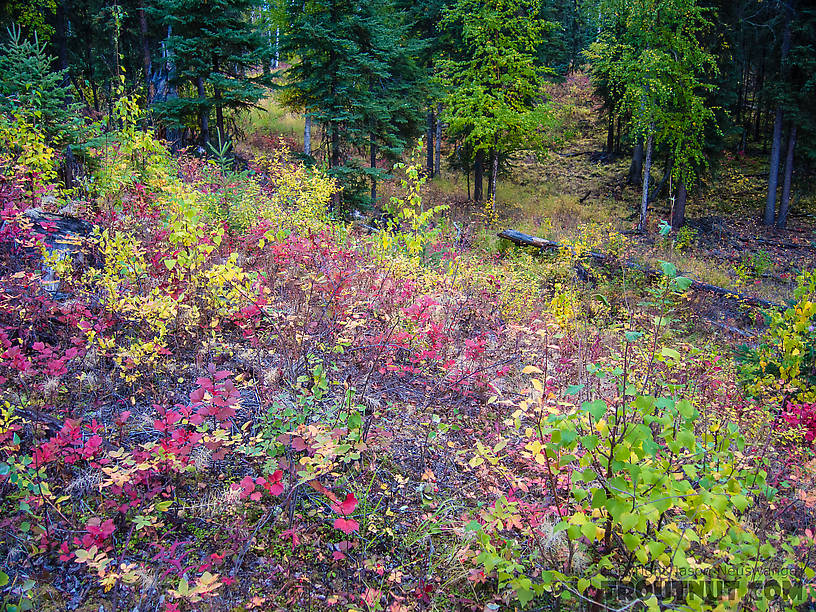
{"type": "Point", "coordinates": [271, 119]}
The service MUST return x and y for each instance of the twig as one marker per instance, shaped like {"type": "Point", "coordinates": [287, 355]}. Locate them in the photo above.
{"type": "Point", "coordinates": [244, 550]}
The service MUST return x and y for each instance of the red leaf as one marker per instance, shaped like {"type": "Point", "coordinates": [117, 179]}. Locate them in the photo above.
{"type": "Point", "coordinates": [247, 485]}
{"type": "Point", "coordinates": [345, 525]}
{"type": "Point", "coordinates": [275, 488]}
{"type": "Point", "coordinates": [320, 488]}
{"type": "Point", "coordinates": [347, 506]}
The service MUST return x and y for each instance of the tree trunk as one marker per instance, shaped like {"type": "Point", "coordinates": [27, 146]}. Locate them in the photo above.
{"type": "Point", "coordinates": [373, 160]}
{"type": "Point", "coordinates": [438, 142]}
{"type": "Point", "coordinates": [491, 155]}
{"type": "Point", "coordinates": [150, 90]}
{"type": "Point", "coordinates": [784, 203]}
{"type": "Point", "coordinates": [678, 215]}
{"type": "Point", "coordinates": [219, 110]}
{"type": "Point", "coordinates": [776, 145]}
{"type": "Point", "coordinates": [654, 194]}
{"type": "Point", "coordinates": [335, 146]}
{"type": "Point", "coordinates": [636, 167]}
{"type": "Point", "coordinates": [738, 110]}
{"type": "Point", "coordinates": [429, 164]}
{"type": "Point", "coordinates": [647, 167]}
{"type": "Point", "coordinates": [610, 134]}
{"type": "Point", "coordinates": [478, 167]}
{"type": "Point", "coordinates": [62, 39]}
{"type": "Point", "coordinates": [618, 138]}
{"type": "Point", "coordinates": [494, 174]}
{"type": "Point", "coordinates": [168, 89]}
{"type": "Point", "coordinates": [307, 135]}
{"type": "Point", "coordinates": [758, 97]}
{"type": "Point", "coordinates": [203, 113]}
{"type": "Point", "coordinates": [467, 169]}
{"type": "Point", "coordinates": [574, 19]}
{"type": "Point", "coordinates": [117, 68]}
{"type": "Point", "coordinates": [219, 118]}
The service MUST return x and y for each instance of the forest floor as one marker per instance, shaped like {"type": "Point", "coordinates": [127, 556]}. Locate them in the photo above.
{"type": "Point", "coordinates": [296, 418]}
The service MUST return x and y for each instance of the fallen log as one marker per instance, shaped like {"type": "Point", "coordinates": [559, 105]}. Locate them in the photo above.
{"type": "Point", "coordinates": [522, 239]}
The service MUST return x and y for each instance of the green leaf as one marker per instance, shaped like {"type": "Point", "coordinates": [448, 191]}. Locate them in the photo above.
{"type": "Point", "coordinates": [590, 530]}
{"type": "Point", "coordinates": [668, 268]}
{"type": "Point", "coordinates": [590, 442]}
{"type": "Point", "coordinates": [566, 460]}
{"type": "Point", "coordinates": [633, 336]}
{"type": "Point", "coordinates": [589, 475]}
{"type": "Point", "coordinates": [740, 502]}
{"type": "Point", "coordinates": [656, 549]}
{"type": "Point", "coordinates": [686, 439]}
{"type": "Point", "coordinates": [573, 389]}
{"type": "Point", "coordinates": [669, 352]}
{"type": "Point", "coordinates": [628, 521]}
{"type": "Point", "coordinates": [4, 579]}
{"type": "Point", "coordinates": [598, 498]}
{"type": "Point", "coordinates": [682, 283]}
{"type": "Point", "coordinates": [524, 594]}
{"type": "Point", "coordinates": [632, 541]}
{"type": "Point", "coordinates": [597, 409]}
{"type": "Point", "coordinates": [685, 409]}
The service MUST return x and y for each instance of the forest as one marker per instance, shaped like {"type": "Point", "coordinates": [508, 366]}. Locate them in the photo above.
{"type": "Point", "coordinates": [479, 305]}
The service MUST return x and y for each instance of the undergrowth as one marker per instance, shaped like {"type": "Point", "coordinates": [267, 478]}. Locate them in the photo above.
{"type": "Point", "coordinates": [234, 401]}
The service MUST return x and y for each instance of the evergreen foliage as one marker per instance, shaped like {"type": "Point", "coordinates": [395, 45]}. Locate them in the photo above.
{"type": "Point", "coordinates": [493, 82]}
{"type": "Point", "coordinates": [213, 49]}
{"type": "Point", "coordinates": [31, 88]}
{"type": "Point", "coordinates": [355, 73]}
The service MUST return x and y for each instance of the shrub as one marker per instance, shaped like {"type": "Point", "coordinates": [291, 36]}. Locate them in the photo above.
{"type": "Point", "coordinates": [782, 368]}
{"type": "Point", "coordinates": [410, 229]}
{"type": "Point", "coordinates": [25, 156]}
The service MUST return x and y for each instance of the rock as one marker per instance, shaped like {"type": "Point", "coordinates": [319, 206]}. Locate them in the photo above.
{"type": "Point", "coordinates": [63, 236]}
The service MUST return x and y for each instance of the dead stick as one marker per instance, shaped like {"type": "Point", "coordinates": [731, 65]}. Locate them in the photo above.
{"type": "Point", "coordinates": [520, 238]}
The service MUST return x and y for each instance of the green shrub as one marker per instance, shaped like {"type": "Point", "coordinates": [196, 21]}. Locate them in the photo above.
{"type": "Point", "coordinates": [783, 367]}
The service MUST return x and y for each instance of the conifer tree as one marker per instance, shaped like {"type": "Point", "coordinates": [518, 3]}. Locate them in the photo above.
{"type": "Point", "coordinates": [213, 48]}
{"type": "Point", "coordinates": [30, 87]}
{"type": "Point", "coordinates": [353, 72]}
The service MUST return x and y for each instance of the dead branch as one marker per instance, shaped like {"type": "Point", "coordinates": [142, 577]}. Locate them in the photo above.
{"type": "Point", "coordinates": [522, 239]}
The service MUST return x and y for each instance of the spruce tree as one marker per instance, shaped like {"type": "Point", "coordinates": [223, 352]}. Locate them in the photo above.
{"type": "Point", "coordinates": [353, 72]}
{"type": "Point", "coordinates": [31, 88]}
{"type": "Point", "coordinates": [213, 48]}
